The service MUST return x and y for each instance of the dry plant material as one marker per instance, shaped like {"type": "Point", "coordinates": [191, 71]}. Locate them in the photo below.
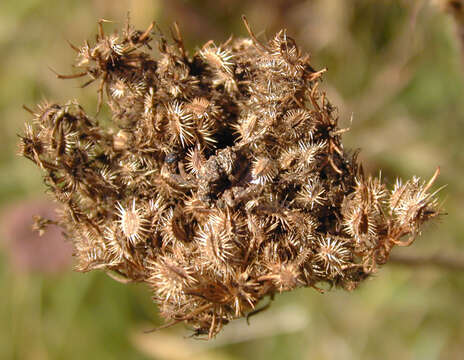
{"type": "Point", "coordinates": [221, 179]}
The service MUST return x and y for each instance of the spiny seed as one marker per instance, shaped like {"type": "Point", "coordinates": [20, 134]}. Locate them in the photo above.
{"type": "Point", "coordinates": [132, 223]}
{"type": "Point", "coordinates": [264, 170]}
{"type": "Point", "coordinates": [217, 57]}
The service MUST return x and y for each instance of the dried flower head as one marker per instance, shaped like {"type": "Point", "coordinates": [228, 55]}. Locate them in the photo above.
{"type": "Point", "coordinates": [222, 179]}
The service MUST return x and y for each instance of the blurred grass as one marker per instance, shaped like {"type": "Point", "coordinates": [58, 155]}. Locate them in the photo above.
{"type": "Point", "coordinates": [395, 66]}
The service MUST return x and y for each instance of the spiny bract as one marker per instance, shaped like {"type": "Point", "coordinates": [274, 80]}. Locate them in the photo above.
{"type": "Point", "coordinates": [221, 179]}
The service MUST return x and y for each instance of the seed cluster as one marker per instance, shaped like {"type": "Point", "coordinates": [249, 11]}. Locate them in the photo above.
{"type": "Point", "coordinates": [221, 179]}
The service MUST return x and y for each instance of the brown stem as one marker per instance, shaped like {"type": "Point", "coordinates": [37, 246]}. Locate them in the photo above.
{"type": "Point", "coordinates": [252, 35]}
{"type": "Point", "coordinates": [119, 277]}
{"type": "Point", "coordinates": [147, 32]}
{"type": "Point", "coordinates": [444, 262]}
{"type": "Point", "coordinates": [184, 318]}
{"type": "Point", "coordinates": [66, 77]}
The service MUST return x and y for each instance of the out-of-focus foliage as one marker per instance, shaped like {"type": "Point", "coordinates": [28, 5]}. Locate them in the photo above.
{"type": "Point", "coordinates": [394, 68]}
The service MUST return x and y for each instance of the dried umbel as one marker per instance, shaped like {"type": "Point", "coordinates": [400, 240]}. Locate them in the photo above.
{"type": "Point", "coordinates": [221, 179]}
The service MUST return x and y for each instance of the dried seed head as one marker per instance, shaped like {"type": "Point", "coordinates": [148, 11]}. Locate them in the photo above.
{"type": "Point", "coordinates": [284, 276]}
{"type": "Point", "coordinates": [297, 123]}
{"type": "Point", "coordinates": [116, 247]}
{"type": "Point", "coordinates": [217, 248]}
{"type": "Point", "coordinates": [221, 180]}
{"type": "Point", "coordinates": [360, 222]}
{"type": "Point", "coordinates": [331, 256]}
{"type": "Point", "coordinates": [132, 223]}
{"type": "Point", "coordinates": [217, 57]}
{"type": "Point", "coordinates": [118, 89]}
{"type": "Point", "coordinates": [179, 123]}
{"type": "Point", "coordinates": [195, 159]}
{"type": "Point", "coordinates": [203, 108]}
{"type": "Point", "coordinates": [173, 229]}
{"type": "Point", "coordinates": [169, 278]}
{"type": "Point", "coordinates": [311, 195]}
{"type": "Point", "coordinates": [263, 170]}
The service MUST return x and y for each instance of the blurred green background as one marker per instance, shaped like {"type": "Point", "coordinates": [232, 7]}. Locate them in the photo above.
{"type": "Point", "coordinates": [394, 67]}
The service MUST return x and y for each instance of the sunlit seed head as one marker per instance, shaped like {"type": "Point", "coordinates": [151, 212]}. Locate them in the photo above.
{"type": "Point", "coordinates": [308, 152]}
{"type": "Point", "coordinates": [217, 247]}
{"type": "Point", "coordinates": [202, 108]}
{"type": "Point", "coordinates": [180, 124]}
{"type": "Point", "coordinates": [332, 255]}
{"type": "Point", "coordinates": [311, 195]}
{"type": "Point", "coordinates": [169, 277]}
{"type": "Point", "coordinates": [116, 247]}
{"type": "Point", "coordinates": [263, 170]}
{"type": "Point", "coordinates": [360, 221]}
{"type": "Point", "coordinates": [217, 58]}
{"type": "Point", "coordinates": [118, 88]}
{"type": "Point", "coordinates": [285, 276]}
{"type": "Point", "coordinates": [108, 174]}
{"type": "Point", "coordinates": [132, 223]}
{"type": "Point", "coordinates": [297, 121]}
{"type": "Point", "coordinates": [285, 53]}
{"type": "Point", "coordinates": [195, 159]}
{"type": "Point", "coordinates": [227, 81]}
{"type": "Point", "coordinates": [157, 204]}
{"type": "Point", "coordinates": [172, 228]}
{"type": "Point", "coordinates": [222, 179]}
{"type": "Point", "coordinates": [289, 157]}
{"type": "Point", "coordinates": [205, 132]}
{"type": "Point", "coordinates": [246, 128]}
